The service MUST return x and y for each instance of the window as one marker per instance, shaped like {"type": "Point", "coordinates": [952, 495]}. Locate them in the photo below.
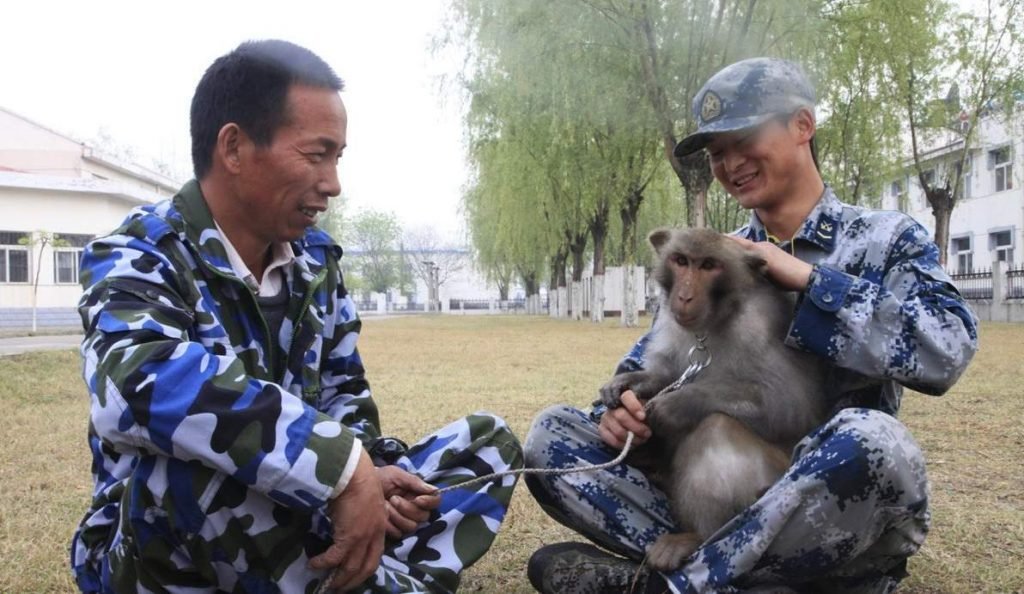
{"type": "Point", "coordinates": [1001, 162]}
{"type": "Point", "coordinates": [928, 177]}
{"type": "Point", "coordinates": [1001, 242]}
{"type": "Point", "coordinates": [67, 256]}
{"type": "Point", "coordinates": [962, 251]}
{"type": "Point", "coordinates": [13, 257]}
{"type": "Point", "coordinates": [896, 188]}
{"type": "Point", "coordinates": [967, 177]}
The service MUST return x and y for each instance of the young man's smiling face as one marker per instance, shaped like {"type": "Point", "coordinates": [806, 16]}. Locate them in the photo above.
{"type": "Point", "coordinates": [757, 165]}
{"type": "Point", "coordinates": [286, 184]}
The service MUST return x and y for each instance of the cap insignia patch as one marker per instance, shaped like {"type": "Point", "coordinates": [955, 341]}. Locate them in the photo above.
{"type": "Point", "coordinates": [710, 107]}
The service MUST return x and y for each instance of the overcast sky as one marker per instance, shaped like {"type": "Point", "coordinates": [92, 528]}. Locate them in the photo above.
{"type": "Point", "coordinates": [129, 69]}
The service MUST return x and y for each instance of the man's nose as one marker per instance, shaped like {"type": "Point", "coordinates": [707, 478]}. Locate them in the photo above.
{"type": "Point", "coordinates": [732, 159]}
{"type": "Point", "coordinates": [330, 184]}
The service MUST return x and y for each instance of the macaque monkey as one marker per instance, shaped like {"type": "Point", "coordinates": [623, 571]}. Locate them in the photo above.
{"type": "Point", "coordinates": [723, 438]}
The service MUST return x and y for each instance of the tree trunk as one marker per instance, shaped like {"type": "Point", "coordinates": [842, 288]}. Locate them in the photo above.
{"type": "Point", "coordinates": [35, 283]}
{"type": "Point", "coordinates": [553, 307]}
{"type": "Point", "coordinates": [558, 293]}
{"type": "Point", "coordinates": [597, 299]}
{"type": "Point", "coordinates": [579, 245]}
{"type": "Point", "coordinates": [530, 285]}
{"type": "Point", "coordinates": [630, 308]}
{"type": "Point", "coordinates": [576, 307]}
{"type": "Point", "coordinates": [598, 232]}
{"type": "Point", "coordinates": [563, 290]}
{"type": "Point", "coordinates": [943, 213]}
{"type": "Point", "coordinates": [696, 179]}
{"type": "Point", "coordinates": [628, 213]}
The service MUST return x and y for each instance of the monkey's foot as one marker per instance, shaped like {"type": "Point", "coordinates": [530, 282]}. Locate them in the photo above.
{"type": "Point", "coordinates": [670, 550]}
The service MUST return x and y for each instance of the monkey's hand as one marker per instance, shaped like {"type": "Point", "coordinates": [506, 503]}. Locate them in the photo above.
{"type": "Point", "coordinates": [670, 550]}
{"type": "Point", "coordinates": [667, 414]}
{"type": "Point", "coordinates": [610, 394]}
{"type": "Point", "coordinates": [643, 383]}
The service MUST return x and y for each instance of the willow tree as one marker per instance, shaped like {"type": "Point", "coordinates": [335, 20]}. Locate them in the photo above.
{"type": "Point", "coordinates": [557, 87]}
{"type": "Point", "coordinates": [946, 100]}
{"type": "Point", "coordinates": [858, 135]}
{"type": "Point", "coordinates": [676, 45]}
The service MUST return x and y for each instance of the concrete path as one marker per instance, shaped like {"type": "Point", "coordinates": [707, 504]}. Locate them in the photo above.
{"type": "Point", "coordinates": [15, 345]}
{"type": "Point", "coordinates": [24, 344]}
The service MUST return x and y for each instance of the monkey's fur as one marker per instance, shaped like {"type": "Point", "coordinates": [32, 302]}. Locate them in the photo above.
{"type": "Point", "coordinates": [725, 437]}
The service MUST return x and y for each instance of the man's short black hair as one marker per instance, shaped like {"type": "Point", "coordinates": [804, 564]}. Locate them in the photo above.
{"type": "Point", "coordinates": [249, 87]}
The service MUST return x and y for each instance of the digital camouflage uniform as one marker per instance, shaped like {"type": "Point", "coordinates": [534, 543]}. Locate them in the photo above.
{"type": "Point", "coordinates": [854, 504]}
{"type": "Point", "coordinates": [216, 446]}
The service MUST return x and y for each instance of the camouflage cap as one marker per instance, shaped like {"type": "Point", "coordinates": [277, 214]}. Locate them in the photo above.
{"type": "Point", "coordinates": [744, 95]}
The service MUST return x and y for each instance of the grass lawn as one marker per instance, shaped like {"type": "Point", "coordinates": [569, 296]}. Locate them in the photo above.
{"type": "Point", "coordinates": [428, 370]}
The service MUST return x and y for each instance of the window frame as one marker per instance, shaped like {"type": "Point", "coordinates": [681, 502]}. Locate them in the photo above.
{"type": "Point", "coordinates": [1002, 253]}
{"type": "Point", "coordinates": [967, 254]}
{"type": "Point", "coordinates": [5, 259]}
{"type": "Point", "coordinates": [1002, 170]}
{"type": "Point", "coordinates": [73, 243]}
{"type": "Point", "coordinates": [76, 264]}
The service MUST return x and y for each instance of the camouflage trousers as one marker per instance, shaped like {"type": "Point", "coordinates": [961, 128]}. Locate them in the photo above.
{"type": "Point", "coordinates": [847, 514]}
{"type": "Point", "coordinates": [248, 544]}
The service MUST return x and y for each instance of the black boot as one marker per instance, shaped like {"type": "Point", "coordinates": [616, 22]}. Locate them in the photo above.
{"type": "Point", "coordinates": [578, 568]}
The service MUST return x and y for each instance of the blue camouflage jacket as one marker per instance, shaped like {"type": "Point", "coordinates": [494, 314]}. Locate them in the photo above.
{"type": "Point", "coordinates": [180, 368]}
{"type": "Point", "coordinates": [879, 306]}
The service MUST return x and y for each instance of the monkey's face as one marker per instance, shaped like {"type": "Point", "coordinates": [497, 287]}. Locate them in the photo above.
{"type": "Point", "coordinates": [692, 296]}
{"type": "Point", "coordinates": [703, 275]}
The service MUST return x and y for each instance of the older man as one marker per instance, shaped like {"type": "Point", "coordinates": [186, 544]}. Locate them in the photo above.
{"type": "Point", "coordinates": [236, 447]}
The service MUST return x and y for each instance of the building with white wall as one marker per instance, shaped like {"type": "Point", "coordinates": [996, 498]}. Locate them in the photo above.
{"type": "Point", "coordinates": [988, 221]}
{"type": "Point", "coordinates": [55, 195]}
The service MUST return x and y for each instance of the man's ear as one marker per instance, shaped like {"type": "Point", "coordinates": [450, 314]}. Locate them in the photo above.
{"type": "Point", "coordinates": [228, 147]}
{"type": "Point", "coordinates": [658, 238]}
{"type": "Point", "coordinates": [804, 124]}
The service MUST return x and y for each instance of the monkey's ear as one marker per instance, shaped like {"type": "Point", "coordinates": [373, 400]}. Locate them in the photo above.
{"type": "Point", "coordinates": [756, 262]}
{"type": "Point", "coordinates": [659, 237]}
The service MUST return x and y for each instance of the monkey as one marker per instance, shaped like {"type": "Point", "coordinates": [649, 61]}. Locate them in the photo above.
{"type": "Point", "coordinates": [723, 438]}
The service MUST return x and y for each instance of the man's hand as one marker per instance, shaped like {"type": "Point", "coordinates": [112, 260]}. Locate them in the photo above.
{"type": "Point", "coordinates": [408, 500]}
{"type": "Point", "coordinates": [359, 521]}
{"type": "Point", "coordinates": [784, 269]}
{"type": "Point", "coordinates": [616, 423]}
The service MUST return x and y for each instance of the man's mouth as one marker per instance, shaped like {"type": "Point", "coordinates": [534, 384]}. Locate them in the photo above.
{"type": "Point", "coordinates": [310, 211]}
{"type": "Point", "coordinates": [743, 180]}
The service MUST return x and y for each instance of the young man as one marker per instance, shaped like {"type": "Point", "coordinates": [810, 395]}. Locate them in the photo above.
{"type": "Point", "coordinates": [236, 447]}
{"type": "Point", "coordinates": [873, 301]}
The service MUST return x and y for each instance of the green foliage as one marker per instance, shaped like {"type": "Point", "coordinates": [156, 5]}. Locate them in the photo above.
{"type": "Point", "coordinates": [373, 237]}
{"type": "Point", "coordinates": [948, 71]}
{"type": "Point", "coordinates": [572, 105]}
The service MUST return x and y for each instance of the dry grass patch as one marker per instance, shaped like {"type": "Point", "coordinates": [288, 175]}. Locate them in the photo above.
{"type": "Point", "coordinates": [427, 371]}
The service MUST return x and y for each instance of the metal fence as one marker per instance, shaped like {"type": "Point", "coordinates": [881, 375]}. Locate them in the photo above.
{"type": "Point", "coordinates": [407, 307]}
{"type": "Point", "coordinates": [977, 284]}
{"type": "Point", "coordinates": [974, 284]}
{"type": "Point", "coordinates": [1015, 283]}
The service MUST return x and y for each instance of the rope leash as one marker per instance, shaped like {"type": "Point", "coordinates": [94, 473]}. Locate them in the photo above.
{"type": "Point", "coordinates": [325, 587]}
{"type": "Point", "coordinates": [699, 357]}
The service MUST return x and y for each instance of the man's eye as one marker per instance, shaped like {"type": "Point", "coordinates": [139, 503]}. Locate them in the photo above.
{"type": "Point", "coordinates": [315, 157]}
